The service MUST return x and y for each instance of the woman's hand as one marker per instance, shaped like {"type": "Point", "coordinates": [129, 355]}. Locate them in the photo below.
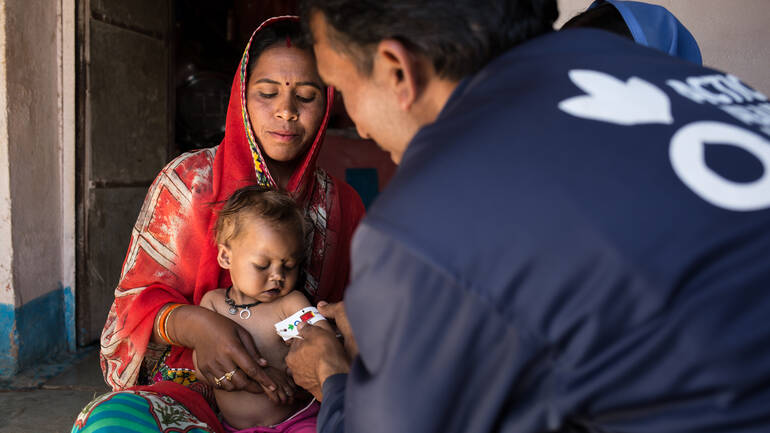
{"type": "Point", "coordinates": [222, 346]}
{"type": "Point", "coordinates": [283, 381]}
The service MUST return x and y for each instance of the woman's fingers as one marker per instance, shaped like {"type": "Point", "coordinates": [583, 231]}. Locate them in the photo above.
{"type": "Point", "coordinates": [251, 348]}
{"type": "Point", "coordinates": [227, 355]}
{"type": "Point", "coordinates": [236, 380]}
{"type": "Point", "coordinates": [215, 376]}
{"type": "Point", "coordinates": [250, 362]}
{"type": "Point", "coordinates": [285, 384]}
{"type": "Point", "coordinates": [208, 372]}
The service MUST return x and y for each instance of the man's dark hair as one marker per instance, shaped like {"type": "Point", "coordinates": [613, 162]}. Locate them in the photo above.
{"type": "Point", "coordinates": [605, 17]}
{"type": "Point", "coordinates": [278, 32]}
{"type": "Point", "coordinates": [458, 36]}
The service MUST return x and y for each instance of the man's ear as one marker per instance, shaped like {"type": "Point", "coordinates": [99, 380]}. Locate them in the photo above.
{"type": "Point", "coordinates": [223, 256]}
{"type": "Point", "coordinates": [401, 70]}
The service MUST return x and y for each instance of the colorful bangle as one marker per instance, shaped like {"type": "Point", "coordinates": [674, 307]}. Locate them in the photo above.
{"type": "Point", "coordinates": [163, 323]}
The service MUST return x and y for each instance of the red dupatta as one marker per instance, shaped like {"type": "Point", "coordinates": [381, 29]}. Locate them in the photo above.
{"type": "Point", "coordinates": [172, 255]}
{"type": "Point", "coordinates": [239, 162]}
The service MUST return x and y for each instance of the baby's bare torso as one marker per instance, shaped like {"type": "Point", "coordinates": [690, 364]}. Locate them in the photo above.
{"type": "Point", "coordinates": [243, 409]}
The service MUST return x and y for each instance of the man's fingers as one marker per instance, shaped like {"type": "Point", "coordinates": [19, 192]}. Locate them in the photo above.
{"type": "Point", "coordinates": [306, 330]}
{"type": "Point", "coordinates": [331, 311]}
{"type": "Point", "coordinates": [336, 312]}
{"type": "Point", "coordinates": [314, 357]}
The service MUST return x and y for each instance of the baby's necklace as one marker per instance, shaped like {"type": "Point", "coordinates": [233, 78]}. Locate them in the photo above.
{"type": "Point", "coordinates": [245, 313]}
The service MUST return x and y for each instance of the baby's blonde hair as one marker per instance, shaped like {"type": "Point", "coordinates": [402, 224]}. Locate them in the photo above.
{"type": "Point", "coordinates": [256, 201]}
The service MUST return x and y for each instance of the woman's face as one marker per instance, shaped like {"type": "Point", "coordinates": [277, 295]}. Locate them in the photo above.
{"type": "Point", "coordinates": [285, 101]}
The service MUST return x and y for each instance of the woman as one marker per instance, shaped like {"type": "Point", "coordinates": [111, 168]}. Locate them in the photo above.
{"type": "Point", "coordinates": [276, 121]}
{"type": "Point", "coordinates": [649, 25]}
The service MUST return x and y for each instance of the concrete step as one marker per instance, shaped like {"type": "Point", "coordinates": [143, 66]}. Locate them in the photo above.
{"type": "Point", "coordinates": [53, 405]}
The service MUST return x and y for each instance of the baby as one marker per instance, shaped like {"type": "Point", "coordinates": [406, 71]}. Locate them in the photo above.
{"type": "Point", "coordinates": [260, 239]}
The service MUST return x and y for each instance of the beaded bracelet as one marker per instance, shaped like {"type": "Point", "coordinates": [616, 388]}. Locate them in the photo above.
{"type": "Point", "coordinates": [163, 323]}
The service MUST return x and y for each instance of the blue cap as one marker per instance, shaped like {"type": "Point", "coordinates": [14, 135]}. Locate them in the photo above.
{"type": "Point", "coordinates": [654, 26]}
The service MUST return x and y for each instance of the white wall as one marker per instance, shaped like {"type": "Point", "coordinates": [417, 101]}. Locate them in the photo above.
{"type": "Point", "coordinates": [734, 35]}
{"type": "Point", "coordinates": [33, 146]}
{"type": "Point", "coordinates": [66, 101]}
{"type": "Point", "coordinates": [37, 149]}
{"type": "Point", "coordinates": [6, 246]}
{"type": "Point", "coordinates": [37, 180]}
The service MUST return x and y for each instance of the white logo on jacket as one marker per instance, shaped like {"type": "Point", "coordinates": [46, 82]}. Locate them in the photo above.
{"type": "Point", "coordinates": [637, 102]}
{"type": "Point", "coordinates": [611, 100]}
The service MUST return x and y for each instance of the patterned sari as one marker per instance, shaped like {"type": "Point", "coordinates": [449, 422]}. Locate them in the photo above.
{"type": "Point", "coordinates": [172, 258]}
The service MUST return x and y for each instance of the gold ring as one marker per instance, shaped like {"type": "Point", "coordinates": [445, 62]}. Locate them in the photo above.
{"type": "Point", "coordinates": [229, 375]}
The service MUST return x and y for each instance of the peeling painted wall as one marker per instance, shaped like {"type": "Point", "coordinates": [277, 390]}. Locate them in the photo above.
{"type": "Point", "coordinates": [33, 141]}
{"type": "Point", "coordinates": [6, 246]}
{"type": "Point", "coordinates": [733, 35]}
{"type": "Point", "coordinates": [36, 182]}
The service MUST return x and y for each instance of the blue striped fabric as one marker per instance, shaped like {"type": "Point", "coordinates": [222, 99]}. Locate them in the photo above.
{"type": "Point", "coordinates": [131, 412]}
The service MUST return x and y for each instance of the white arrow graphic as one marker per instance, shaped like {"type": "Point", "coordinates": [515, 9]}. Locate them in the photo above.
{"type": "Point", "coordinates": [609, 99]}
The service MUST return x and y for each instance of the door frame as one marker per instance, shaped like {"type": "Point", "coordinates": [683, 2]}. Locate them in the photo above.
{"type": "Point", "coordinates": [67, 61]}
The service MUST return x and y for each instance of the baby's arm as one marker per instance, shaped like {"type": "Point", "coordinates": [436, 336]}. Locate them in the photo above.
{"type": "Point", "coordinates": [295, 301]}
{"type": "Point", "coordinates": [207, 301]}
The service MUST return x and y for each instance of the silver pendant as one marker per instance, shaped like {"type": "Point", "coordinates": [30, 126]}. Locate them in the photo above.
{"type": "Point", "coordinates": [232, 311]}
{"type": "Point", "coordinates": [245, 314]}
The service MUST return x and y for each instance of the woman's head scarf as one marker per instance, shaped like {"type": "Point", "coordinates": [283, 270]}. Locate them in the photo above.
{"type": "Point", "coordinates": [240, 162]}
{"type": "Point", "coordinates": [655, 27]}
{"type": "Point", "coordinates": [240, 151]}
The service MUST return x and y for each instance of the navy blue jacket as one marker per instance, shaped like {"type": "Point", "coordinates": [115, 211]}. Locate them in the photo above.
{"type": "Point", "coordinates": [580, 242]}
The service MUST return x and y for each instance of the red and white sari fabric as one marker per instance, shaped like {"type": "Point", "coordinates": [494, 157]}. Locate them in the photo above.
{"type": "Point", "coordinates": [172, 255]}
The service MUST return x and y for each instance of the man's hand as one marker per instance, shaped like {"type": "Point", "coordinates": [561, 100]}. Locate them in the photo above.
{"type": "Point", "coordinates": [314, 357]}
{"type": "Point", "coordinates": [336, 312]}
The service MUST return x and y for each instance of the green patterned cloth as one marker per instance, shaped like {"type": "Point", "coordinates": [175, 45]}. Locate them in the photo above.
{"type": "Point", "coordinates": [137, 412]}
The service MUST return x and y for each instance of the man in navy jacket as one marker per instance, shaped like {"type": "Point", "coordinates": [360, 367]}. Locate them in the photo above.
{"type": "Point", "coordinates": [577, 237]}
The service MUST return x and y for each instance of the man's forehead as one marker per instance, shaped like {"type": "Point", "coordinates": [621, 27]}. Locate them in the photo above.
{"type": "Point", "coordinates": [317, 25]}
{"type": "Point", "coordinates": [325, 50]}
{"type": "Point", "coordinates": [324, 34]}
